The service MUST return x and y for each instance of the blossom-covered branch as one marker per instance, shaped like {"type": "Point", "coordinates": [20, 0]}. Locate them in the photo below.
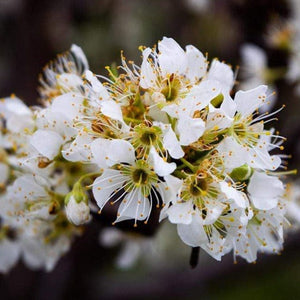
{"type": "Point", "coordinates": [168, 136]}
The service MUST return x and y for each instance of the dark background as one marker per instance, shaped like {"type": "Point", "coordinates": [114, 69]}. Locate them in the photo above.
{"type": "Point", "coordinates": [33, 32]}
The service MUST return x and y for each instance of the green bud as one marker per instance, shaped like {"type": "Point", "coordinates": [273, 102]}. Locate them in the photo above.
{"type": "Point", "coordinates": [79, 194]}
{"type": "Point", "coordinates": [241, 173]}
{"type": "Point", "coordinates": [217, 101]}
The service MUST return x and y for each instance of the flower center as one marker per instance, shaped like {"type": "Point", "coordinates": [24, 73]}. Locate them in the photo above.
{"type": "Point", "coordinates": [148, 137]}
{"type": "Point", "coordinates": [140, 176]}
{"type": "Point", "coordinates": [171, 88]}
{"type": "Point", "coordinates": [240, 130]}
{"type": "Point", "coordinates": [198, 187]}
{"type": "Point", "coordinates": [101, 128]}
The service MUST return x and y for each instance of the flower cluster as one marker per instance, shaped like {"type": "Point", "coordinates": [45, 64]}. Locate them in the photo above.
{"type": "Point", "coordinates": [167, 136]}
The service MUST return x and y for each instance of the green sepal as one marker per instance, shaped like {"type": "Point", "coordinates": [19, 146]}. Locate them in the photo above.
{"type": "Point", "coordinates": [78, 193]}
{"type": "Point", "coordinates": [217, 101]}
{"type": "Point", "coordinates": [241, 173]}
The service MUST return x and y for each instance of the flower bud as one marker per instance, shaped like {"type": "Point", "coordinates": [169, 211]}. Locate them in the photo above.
{"type": "Point", "coordinates": [77, 208]}
{"type": "Point", "coordinates": [241, 173]}
{"type": "Point", "coordinates": [217, 101]}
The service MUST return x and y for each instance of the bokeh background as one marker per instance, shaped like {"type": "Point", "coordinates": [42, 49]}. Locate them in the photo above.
{"type": "Point", "coordinates": [32, 32]}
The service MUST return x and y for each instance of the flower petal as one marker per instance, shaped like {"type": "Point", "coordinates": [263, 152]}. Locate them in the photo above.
{"type": "Point", "coordinates": [148, 76]}
{"type": "Point", "coordinates": [105, 185]}
{"type": "Point", "coordinates": [181, 213]}
{"type": "Point", "coordinates": [161, 167]}
{"type": "Point", "coordinates": [80, 56]}
{"type": "Point", "coordinates": [134, 206]}
{"type": "Point", "coordinates": [190, 129]}
{"type": "Point", "coordinates": [222, 73]}
{"type": "Point", "coordinates": [99, 151]}
{"type": "Point", "coordinates": [172, 58]}
{"type": "Point", "coordinates": [265, 190]}
{"type": "Point", "coordinates": [9, 255]}
{"type": "Point", "coordinates": [97, 86]}
{"type": "Point", "coordinates": [248, 101]}
{"type": "Point", "coordinates": [120, 151]}
{"type": "Point", "coordinates": [192, 234]}
{"type": "Point", "coordinates": [231, 193]}
{"type": "Point", "coordinates": [197, 64]}
{"type": "Point", "coordinates": [47, 143]}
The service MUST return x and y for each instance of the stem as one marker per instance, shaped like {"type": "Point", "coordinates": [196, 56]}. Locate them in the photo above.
{"type": "Point", "coordinates": [179, 174]}
{"type": "Point", "coordinates": [58, 197]}
{"type": "Point", "coordinates": [83, 177]}
{"type": "Point", "coordinates": [131, 120]}
{"type": "Point", "coordinates": [194, 257]}
{"type": "Point", "coordinates": [172, 121]}
{"type": "Point", "coordinates": [282, 173]}
{"type": "Point", "coordinates": [188, 164]}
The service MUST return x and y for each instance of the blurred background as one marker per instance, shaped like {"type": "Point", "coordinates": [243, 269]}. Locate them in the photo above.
{"type": "Point", "coordinates": [32, 32]}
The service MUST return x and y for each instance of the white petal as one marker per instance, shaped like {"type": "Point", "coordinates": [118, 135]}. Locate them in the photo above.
{"type": "Point", "coordinates": [217, 246]}
{"type": "Point", "coordinates": [18, 116]}
{"type": "Point", "coordinates": [272, 99]}
{"type": "Point", "coordinates": [190, 130]}
{"type": "Point", "coordinates": [161, 167]}
{"type": "Point", "coordinates": [253, 57]}
{"type": "Point", "coordinates": [172, 110]}
{"type": "Point", "coordinates": [254, 61]}
{"type": "Point", "coordinates": [79, 149]}
{"type": "Point", "coordinates": [158, 114]}
{"type": "Point", "coordinates": [234, 154]}
{"type": "Point", "coordinates": [172, 58]}
{"type": "Point", "coordinates": [174, 185]}
{"type": "Point", "coordinates": [112, 110]}
{"type": "Point", "coordinates": [217, 118]}
{"type": "Point", "coordinates": [56, 121]}
{"type": "Point", "coordinates": [265, 190]}
{"type": "Point", "coordinates": [200, 96]}
{"type": "Point", "coordinates": [180, 213]}
{"type": "Point", "coordinates": [197, 63]}
{"type": "Point", "coordinates": [9, 254]}
{"type": "Point", "coordinates": [99, 151]}
{"type": "Point", "coordinates": [246, 247]}
{"type": "Point", "coordinates": [231, 193]}
{"type": "Point", "coordinates": [248, 101]}
{"type": "Point", "coordinates": [222, 73]}
{"type": "Point", "coordinates": [28, 187]}
{"type": "Point", "coordinates": [228, 106]}
{"type": "Point", "coordinates": [105, 185]}
{"type": "Point", "coordinates": [68, 105]}
{"type": "Point", "coordinates": [169, 193]}
{"type": "Point", "coordinates": [13, 105]}
{"type": "Point", "coordinates": [171, 143]}
{"type": "Point", "coordinates": [69, 82]}
{"type": "Point", "coordinates": [148, 76]}
{"type": "Point", "coordinates": [214, 211]}
{"type": "Point", "coordinates": [97, 86]}
{"type": "Point", "coordinates": [260, 158]}
{"type": "Point", "coordinates": [134, 206]}
{"type": "Point", "coordinates": [80, 56]}
{"type": "Point", "coordinates": [47, 143]}
{"type": "Point", "coordinates": [18, 124]}
{"type": "Point", "coordinates": [110, 152]}
{"type": "Point", "coordinates": [120, 151]}
{"type": "Point", "coordinates": [192, 234]}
